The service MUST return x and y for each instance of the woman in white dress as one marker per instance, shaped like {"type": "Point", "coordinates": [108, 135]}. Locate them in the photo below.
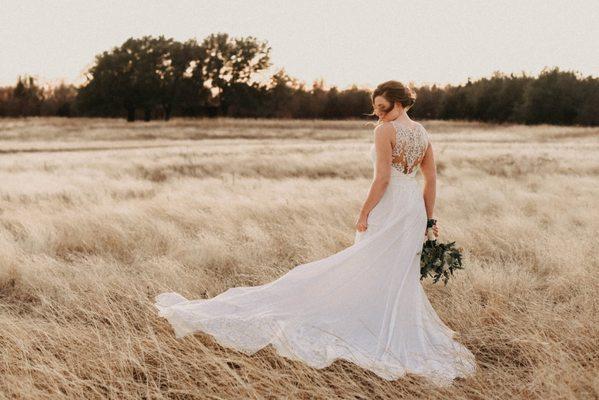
{"type": "Point", "coordinates": [364, 304]}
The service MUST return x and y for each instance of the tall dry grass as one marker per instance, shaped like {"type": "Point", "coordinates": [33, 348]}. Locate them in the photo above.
{"type": "Point", "coordinates": [97, 217]}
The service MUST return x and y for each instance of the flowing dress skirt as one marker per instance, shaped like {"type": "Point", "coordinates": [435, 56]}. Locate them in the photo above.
{"type": "Point", "coordinates": [364, 304]}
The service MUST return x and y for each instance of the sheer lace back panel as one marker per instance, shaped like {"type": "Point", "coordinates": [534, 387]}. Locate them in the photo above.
{"type": "Point", "coordinates": [410, 146]}
{"type": "Point", "coordinates": [411, 143]}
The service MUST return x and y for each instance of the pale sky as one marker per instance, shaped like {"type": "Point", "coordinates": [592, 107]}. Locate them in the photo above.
{"type": "Point", "coordinates": [342, 42]}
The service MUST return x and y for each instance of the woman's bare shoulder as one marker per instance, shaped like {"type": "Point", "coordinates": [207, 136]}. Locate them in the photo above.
{"type": "Point", "coordinates": [417, 124]}
{"type": "Point", "coordinates": [384, 127]}
{"type": "Point", "coordinates": [422, 127]}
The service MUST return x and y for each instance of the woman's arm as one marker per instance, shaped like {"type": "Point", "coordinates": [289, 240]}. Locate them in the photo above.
{"type": "Point", "coordinates": [429, 172]}
{"type": "Point", "coordinates": [382, 171]}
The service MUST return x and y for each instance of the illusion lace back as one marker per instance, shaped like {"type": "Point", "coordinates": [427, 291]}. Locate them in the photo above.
{"type": "Point", "coordinates": [410, 146]}
{"type": "Point", "coordinates": [364, 304]}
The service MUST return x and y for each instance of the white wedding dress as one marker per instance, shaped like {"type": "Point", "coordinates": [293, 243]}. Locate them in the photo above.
{"type": "Point", "coordinates": [364, 304]}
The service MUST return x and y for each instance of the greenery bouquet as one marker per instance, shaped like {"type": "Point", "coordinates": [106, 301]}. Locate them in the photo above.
{"type": "Point", "coordinates": [438, 259]}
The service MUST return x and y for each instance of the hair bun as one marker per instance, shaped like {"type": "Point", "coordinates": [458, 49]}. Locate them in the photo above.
{"type": "Point", "coordinates": [395, 92]}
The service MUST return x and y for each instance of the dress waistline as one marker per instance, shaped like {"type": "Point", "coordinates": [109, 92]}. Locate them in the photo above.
{"type": "Point", "coordinates": [402, 178]}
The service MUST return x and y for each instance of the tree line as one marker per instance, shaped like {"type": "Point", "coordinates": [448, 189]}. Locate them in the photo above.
{"type": "Point", "coordinates": [158, 78]}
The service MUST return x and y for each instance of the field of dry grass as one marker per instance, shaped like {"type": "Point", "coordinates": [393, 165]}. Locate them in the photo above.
{"type": "Point", "coordinates": [98, 216]}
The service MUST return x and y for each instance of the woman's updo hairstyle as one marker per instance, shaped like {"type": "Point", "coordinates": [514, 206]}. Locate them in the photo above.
{"type": "Point", "coordinates": [394, 91]}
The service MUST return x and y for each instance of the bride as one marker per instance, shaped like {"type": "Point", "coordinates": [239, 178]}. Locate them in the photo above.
{"type": "Point", "coordinates": [364, 304]}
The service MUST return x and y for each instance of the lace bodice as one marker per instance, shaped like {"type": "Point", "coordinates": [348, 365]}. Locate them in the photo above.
{"type": "Point", "coordinates": [410, 146]}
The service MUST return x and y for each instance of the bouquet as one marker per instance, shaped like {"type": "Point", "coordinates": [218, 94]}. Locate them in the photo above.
{"type": "Point", "coordinates": [438, 259]}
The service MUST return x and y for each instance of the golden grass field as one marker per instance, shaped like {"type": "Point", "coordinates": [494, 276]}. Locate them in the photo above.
{"type": "Point", "coordinates": [98, 216]}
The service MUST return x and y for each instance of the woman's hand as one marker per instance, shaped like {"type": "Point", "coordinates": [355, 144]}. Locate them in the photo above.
{"type": "Point", "coordinates": [361, 222]}
{"type": "Point", "coordinates": [436, 230]}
